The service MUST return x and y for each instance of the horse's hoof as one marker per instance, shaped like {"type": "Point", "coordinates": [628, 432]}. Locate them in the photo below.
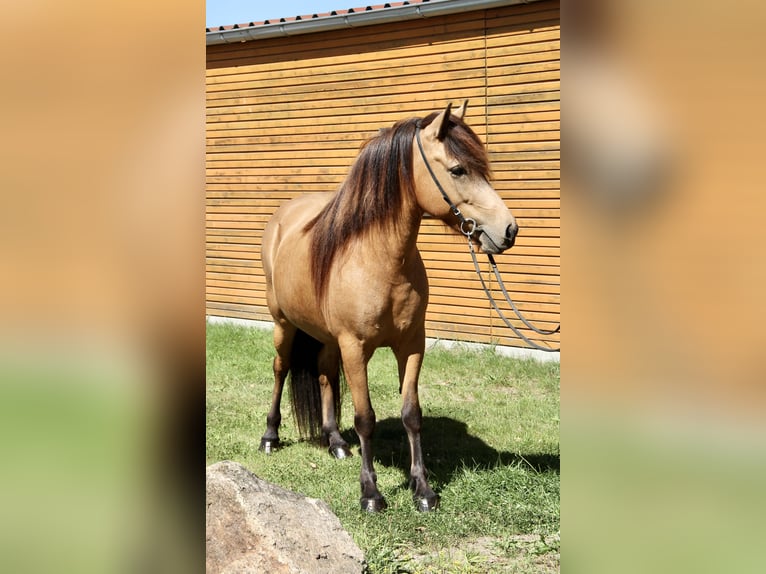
{"type": "Point", "coordinates": [269, 445]}
{"type": "Point", "coordinates": [427, 503]}
{"type": "Point", "coordinates": [374, 504]}
{"type": "Point", "coordinates": [340, 451]}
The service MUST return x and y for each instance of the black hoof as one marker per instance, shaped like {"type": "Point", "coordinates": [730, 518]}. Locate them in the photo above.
{"type": "Point", "coordinates": [374, 504]}
{"type": "Point", "coordinates": [269, 445]}
{"type": "Point", "coordinates": [340, 451]}
{"type": "Point", "coordinates": [427, 503]}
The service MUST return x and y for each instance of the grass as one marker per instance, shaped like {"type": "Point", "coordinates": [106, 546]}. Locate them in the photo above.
{"type": "Point", "coordinates": [490, 440]}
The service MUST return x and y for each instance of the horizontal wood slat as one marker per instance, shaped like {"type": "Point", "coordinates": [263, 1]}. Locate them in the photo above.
{"type": "Point", "coordinates": [287, 116]}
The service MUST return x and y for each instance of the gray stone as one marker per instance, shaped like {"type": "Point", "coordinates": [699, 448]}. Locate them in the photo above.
{"type": "Point", "coordinates": [255, 526]}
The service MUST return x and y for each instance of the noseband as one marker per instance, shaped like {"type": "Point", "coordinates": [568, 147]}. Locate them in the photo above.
{"type": "Point", "coordinates": [468, 227]}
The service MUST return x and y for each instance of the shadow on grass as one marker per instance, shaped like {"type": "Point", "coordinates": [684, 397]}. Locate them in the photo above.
{"type": "Point", "coordinates": [447, 448]}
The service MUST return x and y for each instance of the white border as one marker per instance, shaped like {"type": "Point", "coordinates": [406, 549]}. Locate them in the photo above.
{"type": "Point", "coordinates": [506, 351]}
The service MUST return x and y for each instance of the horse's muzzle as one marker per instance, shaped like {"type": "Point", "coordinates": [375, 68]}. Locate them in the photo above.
{"type": "Point", "coordinates": [493, 243]}
{"type": "Point", "coordinates": [510, 235]}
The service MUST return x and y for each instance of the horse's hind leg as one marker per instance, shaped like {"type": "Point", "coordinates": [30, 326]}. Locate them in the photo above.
{"type": "Point", "coordinates": [329, 375]}
{"type": "Point", "coordinates": [410, 358]}
{"type": "Point", "coordinates": [284, 333]}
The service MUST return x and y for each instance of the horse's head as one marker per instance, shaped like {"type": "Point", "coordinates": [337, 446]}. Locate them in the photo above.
{"type": "Point", "coordinates": [458, 164]}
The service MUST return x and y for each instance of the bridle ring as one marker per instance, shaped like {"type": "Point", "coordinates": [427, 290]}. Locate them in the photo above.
{"type": "Point", "coordinates": [473, 227]}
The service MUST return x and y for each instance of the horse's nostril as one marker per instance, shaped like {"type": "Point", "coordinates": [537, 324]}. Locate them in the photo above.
{"type": "Point", "coordinates": [510, 232]}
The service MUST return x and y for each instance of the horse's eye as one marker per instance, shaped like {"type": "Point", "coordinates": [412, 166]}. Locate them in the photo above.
{"type": "Point", "coordinates": [458, 171]}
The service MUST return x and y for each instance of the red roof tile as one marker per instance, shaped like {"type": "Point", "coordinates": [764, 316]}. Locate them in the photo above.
{"type": "Point", "coordinates": [312, 16]}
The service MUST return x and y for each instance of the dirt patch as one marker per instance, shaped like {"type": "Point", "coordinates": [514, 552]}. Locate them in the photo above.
{"type": "Point", "coordinates": [521, 553]}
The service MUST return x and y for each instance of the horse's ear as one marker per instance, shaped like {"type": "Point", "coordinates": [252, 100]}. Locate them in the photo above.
{"type": "Point", "coordinates": [442, 120]}
{"type": "Point", "coordinates": [460, 112]}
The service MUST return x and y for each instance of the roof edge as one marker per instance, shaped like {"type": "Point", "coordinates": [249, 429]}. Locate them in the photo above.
{"type": "Point", "coordinates": [353, 20]}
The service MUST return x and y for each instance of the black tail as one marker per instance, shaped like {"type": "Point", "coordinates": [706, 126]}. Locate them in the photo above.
{"type": "Point", "coordinates": [304, 386]}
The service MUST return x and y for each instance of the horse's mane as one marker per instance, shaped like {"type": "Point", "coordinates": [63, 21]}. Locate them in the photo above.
{"type": "Point", "coordinates": [374, 190]}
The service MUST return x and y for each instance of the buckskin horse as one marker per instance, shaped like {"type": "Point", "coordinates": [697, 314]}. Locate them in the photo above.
{"type": "Point", "coordinates": [344, 277]}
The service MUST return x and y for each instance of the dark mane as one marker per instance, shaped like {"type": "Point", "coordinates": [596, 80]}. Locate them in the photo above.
{"type": "Point", "coordinates": [373, 191]}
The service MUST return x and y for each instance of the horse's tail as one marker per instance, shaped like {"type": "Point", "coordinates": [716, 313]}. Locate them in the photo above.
{"type": "Point", "coordinates": [304, 386]}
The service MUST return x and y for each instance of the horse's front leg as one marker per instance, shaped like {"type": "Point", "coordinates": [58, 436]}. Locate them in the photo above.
{"type": "Point", "coordinates": [355, 358]}
{"type": "Point", "coordinates": [410, 358]}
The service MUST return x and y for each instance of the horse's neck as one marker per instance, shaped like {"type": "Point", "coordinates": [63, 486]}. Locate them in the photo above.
{"type": "Point", "coordinates": [402, 244]}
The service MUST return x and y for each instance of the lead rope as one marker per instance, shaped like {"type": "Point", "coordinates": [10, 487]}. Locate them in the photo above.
{"type": "Point", "coordinates": [468, 233]}
{"type": "Point", "coordinates": [510, 301]}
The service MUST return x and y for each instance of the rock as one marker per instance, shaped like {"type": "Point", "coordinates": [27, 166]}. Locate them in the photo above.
{"type": "Point", "coordinates": [255, 526]}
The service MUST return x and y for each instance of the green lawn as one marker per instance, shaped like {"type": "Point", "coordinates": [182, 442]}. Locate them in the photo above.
{"type": "Point", "coordinates": [490, 440]}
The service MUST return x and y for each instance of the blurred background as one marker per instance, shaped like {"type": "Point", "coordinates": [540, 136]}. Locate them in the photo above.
{"type": "Point", "coordinates": [663, 368]}
{"type": "Point", "coordinates": [102, 339]}
{"type": "Point", "coordinates": [102, 354]}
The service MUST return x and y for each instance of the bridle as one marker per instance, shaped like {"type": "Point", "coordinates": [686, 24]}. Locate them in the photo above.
{"type": "Point", "coordinates": [455, 210]}
{"type": "Point", "coordinates": [468, 227]}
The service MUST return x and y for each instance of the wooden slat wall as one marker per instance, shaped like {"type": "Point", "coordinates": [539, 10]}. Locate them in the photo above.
{"type": "Point", "coordinates": [287, 116]}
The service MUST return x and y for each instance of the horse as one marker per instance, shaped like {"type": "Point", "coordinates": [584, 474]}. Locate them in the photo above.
{"type": "Point", "coordinates": [344, 277]}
